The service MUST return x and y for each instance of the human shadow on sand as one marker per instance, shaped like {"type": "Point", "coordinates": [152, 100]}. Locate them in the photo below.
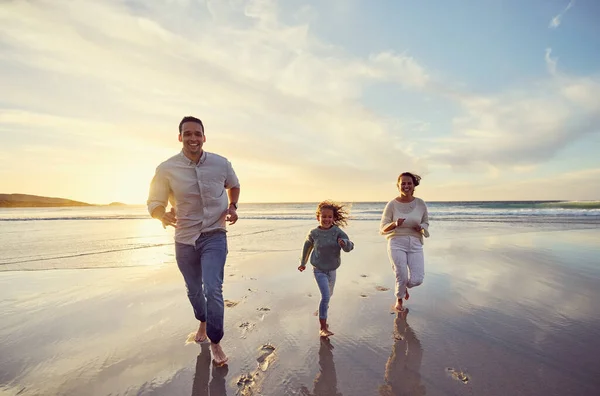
{"type": "Point", "coordinates": [203, 384]}
{"type": "Point", "coordinates": [402, 370]}
{"type": "Point", "coordinates": [325, 383]}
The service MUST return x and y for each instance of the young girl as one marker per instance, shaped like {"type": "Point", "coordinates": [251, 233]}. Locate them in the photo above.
{"type": "Point", "coordinates": [325, 243]}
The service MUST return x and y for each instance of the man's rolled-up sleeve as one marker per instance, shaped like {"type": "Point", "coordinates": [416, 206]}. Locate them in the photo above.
{"type": "Point", "coordinates": [232, 180]}
{"type": "Point", "coordinates": [159, 191]}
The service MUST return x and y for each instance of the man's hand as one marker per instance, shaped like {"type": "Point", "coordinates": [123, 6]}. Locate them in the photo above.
{"type": "Point", "coordinates": [231, 215]}
{"type": "Point", "coordinates": [169, 219]}
{"type": "Point", "coordinates": [301, 268]}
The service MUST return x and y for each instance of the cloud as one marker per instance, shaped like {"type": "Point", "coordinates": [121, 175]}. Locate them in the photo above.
{"type": "Point", "coordinates": [288, 108]}
{"type": "Point", "coordinates": [399, 68]}
{"type": "Point", "coordinates": [550, 62]}
{"type": "Point", "coordinates": [256, 81]}
{"type": "Point", "coordinates": [512, 185]}
{"type": "Point", "coordinates": [556, 21]}
{"type": "Point", "coordinates": [521, 127]}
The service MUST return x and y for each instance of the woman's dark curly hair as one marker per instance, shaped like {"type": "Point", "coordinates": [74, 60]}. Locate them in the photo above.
{"type": "Point", "coordinates": [415, 178]}
{"type": "Point", "coordinates": [340, 212]}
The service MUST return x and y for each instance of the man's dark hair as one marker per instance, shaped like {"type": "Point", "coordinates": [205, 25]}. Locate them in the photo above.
{"type": "Point", "coordinates": [190, 119]}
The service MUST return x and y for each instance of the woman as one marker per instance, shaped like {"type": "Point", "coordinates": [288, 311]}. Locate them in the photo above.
{"type": "Point", "coordinates": [404, 223]}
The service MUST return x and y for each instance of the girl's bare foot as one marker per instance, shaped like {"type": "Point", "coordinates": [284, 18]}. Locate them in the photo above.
{"type": "Point", "coordinates": [406, 295]}
{"type": "Point", "coordinates": [325, 332]}
{"type": "Point", "coordinates": [201, 334]}
{"type": "Point", "coordinates": [219, 357]}
{"type": "Point", "coordinates": [399, 306]}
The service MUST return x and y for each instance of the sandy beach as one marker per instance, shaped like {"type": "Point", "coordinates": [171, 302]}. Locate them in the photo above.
{"type": "Point", "coordinates": [505, 309]}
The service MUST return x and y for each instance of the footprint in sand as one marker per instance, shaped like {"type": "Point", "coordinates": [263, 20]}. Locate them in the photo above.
{"type": "Point", "coordinates": [191, 339]}
{"type": "Point", "coordinates": [246, 327]}
{"type": "Point", "coordinates": [458, 375]}
{"type": "Point", "coordinates": [266, 356]}
{"type": "Point", "coordinates": [245, 385]}
{"type": "Point", "coordinates": [381, 288]}
{"type": "Point", "coordinates": [364, 295]}
{"type": "Point", "coordinates": [249, 384]}
{"type": "Point", "coordinates": [363, 276]}
{"type": "Point", "coordinates": [263, 309]}
{"type": "Point", "coordinates": [231, 304]}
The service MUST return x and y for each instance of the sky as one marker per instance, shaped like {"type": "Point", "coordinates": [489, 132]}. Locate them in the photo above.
{"type": "Point", "coordinates": [309, 100]}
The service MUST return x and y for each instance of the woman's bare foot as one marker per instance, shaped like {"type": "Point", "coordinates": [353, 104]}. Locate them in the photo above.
{"type": "Point", "coordinates": [201, 334]}
{"type": "Point", "coordinates": [406, 295]}
{"type": "Point", "coordinates": [399, 306]}
{"type": "Point", "coordinates": [219, 356]}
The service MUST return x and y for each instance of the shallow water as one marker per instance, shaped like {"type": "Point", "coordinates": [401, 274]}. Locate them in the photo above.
{"type": "Point", "coordinates": [508, 306]}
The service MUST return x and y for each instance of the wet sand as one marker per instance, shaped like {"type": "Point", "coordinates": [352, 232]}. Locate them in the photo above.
{"type": "Point", "coordinates": [504, 309]}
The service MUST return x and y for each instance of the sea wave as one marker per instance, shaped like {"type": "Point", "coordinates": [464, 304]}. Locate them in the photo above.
{"type": "Point", "coordinates": [571, 204]}
{"type": "Point", "coordinates": [551, 211]}
{"type": "Point", "coordinates": [67, 218]}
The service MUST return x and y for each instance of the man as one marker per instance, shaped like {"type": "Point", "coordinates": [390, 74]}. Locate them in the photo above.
{"type": "Point", "coordinates": [195, 181]}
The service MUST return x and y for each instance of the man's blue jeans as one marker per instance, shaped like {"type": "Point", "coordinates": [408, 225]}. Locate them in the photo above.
{"type": "Point", "coordinates": [202, 267]}
{"type": "Point", "coordinates": [326, 282]}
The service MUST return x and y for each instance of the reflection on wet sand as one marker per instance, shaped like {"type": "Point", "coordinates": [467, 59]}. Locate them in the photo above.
{"type": "Point", "coordinates": [201, 386]}
{"type": "Point", "coordinates": [402, 370]}
{"type": "Point", "coordinates": [326, 380]}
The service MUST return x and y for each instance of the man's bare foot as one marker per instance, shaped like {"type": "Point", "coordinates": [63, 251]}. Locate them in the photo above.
{"type": "Point", "coordinates": [219, 356]}
{"type": "Point", "coordinates": [325, 332]}
{"type": "Point", "coordinates": [201, 334]}
{"type": "Point", "coordinates": [399, 306]}
{"type": "Point", "coordinates": [406, 295]}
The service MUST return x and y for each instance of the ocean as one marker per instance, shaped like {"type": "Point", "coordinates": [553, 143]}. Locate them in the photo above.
{"type": "Point", "coordinates": [125, 236]}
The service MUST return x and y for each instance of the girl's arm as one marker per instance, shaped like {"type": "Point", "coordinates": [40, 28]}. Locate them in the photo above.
{"type": "Point", "coordinates": [307, 249]}
{"type": "Point", "coordinates": [348, 244]}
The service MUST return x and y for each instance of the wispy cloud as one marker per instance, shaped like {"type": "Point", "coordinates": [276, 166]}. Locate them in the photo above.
{"type": "Point", "coordinates": [514, 185]}
{"type": "Point", "coordinates": [522, 127]}
{"type": "Point", "coordinates": [550, 62]}
{"type": "Point", "coordinates": [289, 108]}
{"type": "Point", "coordinates": [257, 81]}
{"type": "Point", "coordinates": [556, 21]}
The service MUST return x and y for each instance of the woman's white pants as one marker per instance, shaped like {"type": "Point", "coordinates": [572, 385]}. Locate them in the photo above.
{"type": "Point", "coordinates": [408, 262]}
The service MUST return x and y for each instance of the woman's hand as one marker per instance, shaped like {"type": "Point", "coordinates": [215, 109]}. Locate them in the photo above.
{"type": "Point", "coordinates": [399, 222]}
{"type": "Point", "coordinates": [341, 242]}
{"type": "Point", "coordinates": [418, 228]}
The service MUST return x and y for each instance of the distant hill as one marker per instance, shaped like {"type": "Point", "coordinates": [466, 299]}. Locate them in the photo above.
{"type": "Point", "coordinates": [34, 201]}
{"type": "Point", "coordinates": [117, 204]}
